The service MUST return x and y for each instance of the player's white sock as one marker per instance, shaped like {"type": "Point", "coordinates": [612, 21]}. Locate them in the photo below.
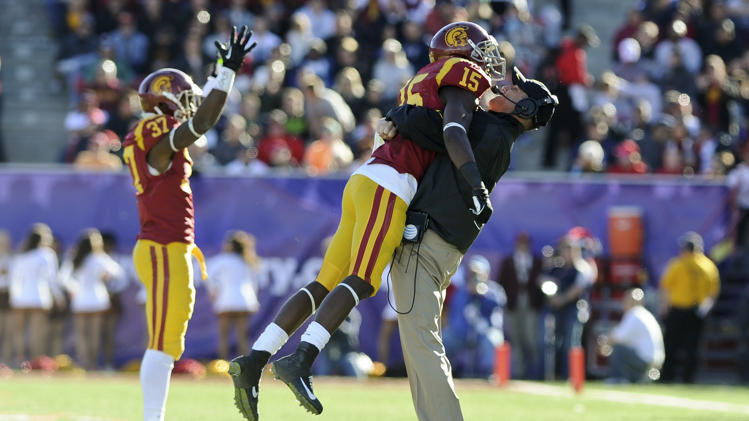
{"type": "Point", "coordinates": [155, 372]}
{"type": "Point", "coordinates": [317, 335]}
{"type": "Point", "coordinates": [271, 340]}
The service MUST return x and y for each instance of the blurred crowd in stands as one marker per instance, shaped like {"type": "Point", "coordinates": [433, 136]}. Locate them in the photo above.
{"type": "Point", "coordinates": [673, 102]}
{"type": "Point", "coordinates": [675, 99]}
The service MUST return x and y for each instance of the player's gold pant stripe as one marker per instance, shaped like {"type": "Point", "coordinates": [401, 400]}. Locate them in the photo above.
{"type": "Point", "coordinates": [158, 328]}
{"type": "Point", "coordinates": [155, 271]}
{"type": "Point", "coordinates": [164, 297]}
{"type": "Point", "coordinates": [368, 231]}
{"type": "Point", "coordinates": [371, 227]}
{"type": "Point", "coordinates": [381, 236]}
{"type": "Point", "coordinates": [166, 272]}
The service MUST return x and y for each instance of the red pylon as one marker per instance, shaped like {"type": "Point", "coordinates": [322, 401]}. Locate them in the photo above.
{"type": "Point", "coordinates": [577, 368]}
{"type": "Point", "coordinates": [502, 363]}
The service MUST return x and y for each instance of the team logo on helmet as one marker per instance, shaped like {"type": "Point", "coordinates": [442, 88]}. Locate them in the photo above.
{"type": "Point", "coordinates": [457, 37]}
{"type": "Point", "coordinates": [161, 84]}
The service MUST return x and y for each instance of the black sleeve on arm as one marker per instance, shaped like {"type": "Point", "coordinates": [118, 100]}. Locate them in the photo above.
{"type": "Point", "coordinates": [422, 125]}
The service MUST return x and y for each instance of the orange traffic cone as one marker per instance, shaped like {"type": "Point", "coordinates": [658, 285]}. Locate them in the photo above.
{"type": "Point", "coordinates": [577, 368]}
{"type": "Point", "coordinates": [502, 363]}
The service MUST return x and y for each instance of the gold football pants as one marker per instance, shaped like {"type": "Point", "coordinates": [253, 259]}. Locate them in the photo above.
{"type": "Point", "coordinates": [371, 227]}
{"type": "Point", "coordinates": [166, 272]}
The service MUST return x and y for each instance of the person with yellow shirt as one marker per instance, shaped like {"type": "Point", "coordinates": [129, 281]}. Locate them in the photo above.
{"type": "Point", "coordinates": [689, 286]}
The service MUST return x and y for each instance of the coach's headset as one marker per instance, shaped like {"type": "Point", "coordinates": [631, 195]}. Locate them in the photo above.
{"type": "Point", "coordinates": [527, 107]}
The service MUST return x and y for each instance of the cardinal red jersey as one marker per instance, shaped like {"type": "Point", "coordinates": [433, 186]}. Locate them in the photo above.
{"type": "Point", "coordinates": [165, 203]}
{"type": "Point", "coordinates": [423, 90]}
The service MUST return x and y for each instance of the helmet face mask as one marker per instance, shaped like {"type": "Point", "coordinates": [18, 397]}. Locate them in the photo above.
{"type": "Point", "coordinates": [487, 54]}
{"type": "Point", "coordinates": [188, 102]}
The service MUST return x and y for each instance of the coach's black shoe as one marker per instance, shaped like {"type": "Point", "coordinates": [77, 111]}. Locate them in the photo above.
{"type": "Point", "coordinates": [296, 375]}
{"type": "Point", "coordinates": [245, 373]}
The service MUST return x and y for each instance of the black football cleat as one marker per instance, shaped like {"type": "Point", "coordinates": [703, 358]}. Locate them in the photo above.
{"type": "Point", "coordinates": [297, 377]}
{"type": "Point", "coordinates": [245, 373]}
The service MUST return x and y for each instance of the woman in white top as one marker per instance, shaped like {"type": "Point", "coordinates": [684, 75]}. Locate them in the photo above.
{"type": "Point", "coordinates": [86, 276]}
{"type": "Point", "coordinates": [232, 284]}
{"type": "Point", "coordinates": [33, 283]}
{"type": "Point", "coordinates": [5, 326]}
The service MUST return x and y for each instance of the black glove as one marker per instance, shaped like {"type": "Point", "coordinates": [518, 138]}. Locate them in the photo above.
{"type": "Point", "coordinates": [482, 205]}
{"type": "Point", "coordinates": [233, 56]}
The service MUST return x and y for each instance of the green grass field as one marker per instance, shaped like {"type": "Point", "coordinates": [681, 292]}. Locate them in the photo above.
{"type": "Point", "coordinates": [117, 397]}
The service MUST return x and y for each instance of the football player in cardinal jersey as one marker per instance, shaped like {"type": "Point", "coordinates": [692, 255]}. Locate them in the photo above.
{"type": "Point", "coordinates": [155, 152]}
{"type": "Point", "coordinates": [465, 61]}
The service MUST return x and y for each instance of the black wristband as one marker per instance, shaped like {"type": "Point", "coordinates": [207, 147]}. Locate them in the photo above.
{"type": "Point", "coordinates": [472, 175]}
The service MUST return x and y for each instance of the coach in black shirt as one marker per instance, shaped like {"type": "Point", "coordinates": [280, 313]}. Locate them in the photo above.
{"type": "Point", "coordinates": [419, 283]}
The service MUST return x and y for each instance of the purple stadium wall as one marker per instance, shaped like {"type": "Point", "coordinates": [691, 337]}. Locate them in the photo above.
{"type": "Point", "coordinates": [289, 217]}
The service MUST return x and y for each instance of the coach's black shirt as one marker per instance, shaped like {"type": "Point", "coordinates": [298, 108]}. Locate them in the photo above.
{"type": "Point", "coordinates": [443, 193]}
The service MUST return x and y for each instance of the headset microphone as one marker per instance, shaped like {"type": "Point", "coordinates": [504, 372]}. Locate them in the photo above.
{"type": "Point", "coordinates": [499, 91]}
{"type": "Point", "coordinates": [525, 108]}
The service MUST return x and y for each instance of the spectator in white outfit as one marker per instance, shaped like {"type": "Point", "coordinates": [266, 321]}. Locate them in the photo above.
{"type": "Point", "coordinates": [637, 342]}
{"type": "Point", "coordinates": [86, 276]}
{"type": "Point", "coordinates": [33, 283]}
{"type": "Point", "coordinates": [232, 284]}
{"type": "Point", "coordinates": [5, 326]}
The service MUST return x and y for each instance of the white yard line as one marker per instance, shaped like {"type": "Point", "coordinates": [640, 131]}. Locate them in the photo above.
{"type": "Point", "coordinates": [628, 397]}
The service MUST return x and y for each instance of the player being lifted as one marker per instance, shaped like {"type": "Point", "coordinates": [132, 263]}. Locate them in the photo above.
{"type": "Point", "coordinates": [464, 60]}
{"type": "Point", "coordinates": [155, 151]}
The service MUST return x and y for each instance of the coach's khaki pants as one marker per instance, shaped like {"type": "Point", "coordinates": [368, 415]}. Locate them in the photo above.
{"type": "Point", "coordinates": [429, 371]}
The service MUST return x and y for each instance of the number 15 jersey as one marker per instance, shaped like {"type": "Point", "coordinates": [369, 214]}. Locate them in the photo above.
{"type": "Point", "coordinates": [165, 204]}
{"type": "Point", "coordinates": [423, 90]}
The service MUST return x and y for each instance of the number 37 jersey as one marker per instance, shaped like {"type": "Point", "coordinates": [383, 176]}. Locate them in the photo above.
{"type": "Point", "coordinates": [423, 90]}
{"type": "Point", "coordinates": [165, 204]}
